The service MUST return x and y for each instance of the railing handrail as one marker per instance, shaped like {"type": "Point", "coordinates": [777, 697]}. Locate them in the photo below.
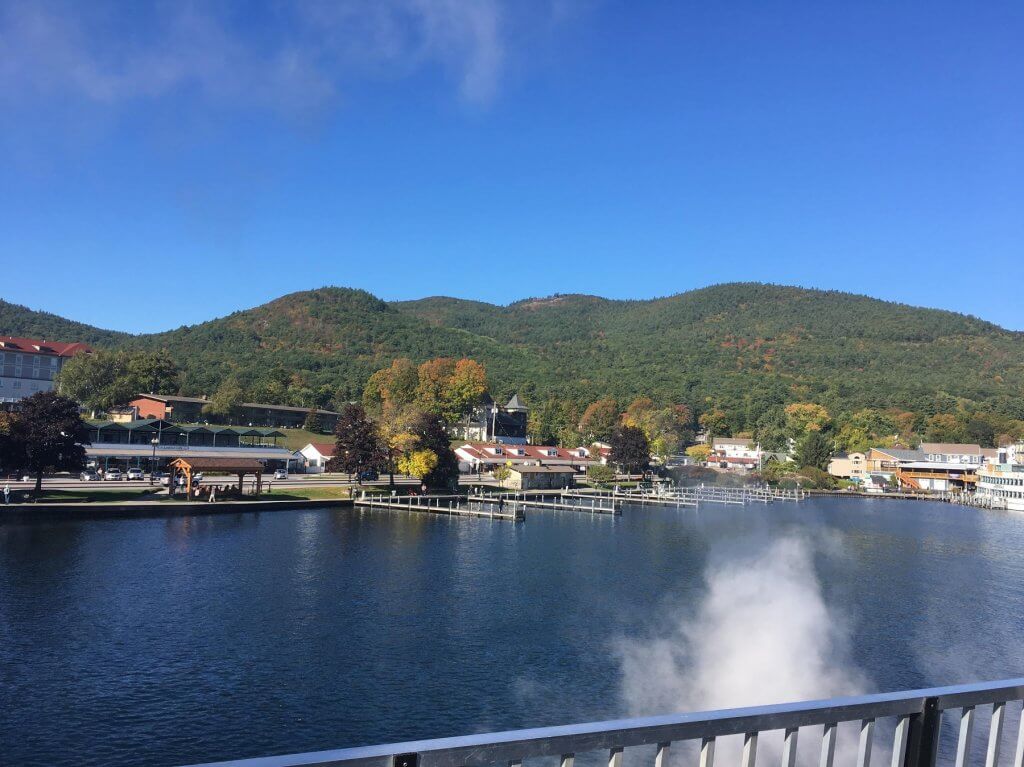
{"type": "Point", "coordinates": [515, 745]}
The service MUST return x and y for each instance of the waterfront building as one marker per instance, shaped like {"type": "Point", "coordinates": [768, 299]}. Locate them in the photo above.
{"type": "Point", "coordinates": [848, 466]}
{"type": "Point", "coordinates": [1001, 486]}
{"type": "Point", "coordinates": [490, 422]}
{"type": "Point", "coordinates": [256, 414]}
{"type": "Point", "coordinates": [315, 456]}
{"type": "Point", "coordinates": [932, 467]}
{"type": "Point", "coordinates": [735, 453]}
{"type": "Point", "coordinates": [29, 365]}
{"type": "Point", "coordinates": [524, 477]}
{"type": "Point", "coordinates": [150, 443]}
{"type": "Point", "coordinates": [484, 456]}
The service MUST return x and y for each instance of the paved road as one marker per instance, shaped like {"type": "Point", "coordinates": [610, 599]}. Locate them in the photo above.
{"type": "Point", "coordinates": [293, 481]}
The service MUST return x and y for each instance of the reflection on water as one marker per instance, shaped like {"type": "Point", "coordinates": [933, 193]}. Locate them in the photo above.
{"type": "Point", "coordinates": [169, 641]}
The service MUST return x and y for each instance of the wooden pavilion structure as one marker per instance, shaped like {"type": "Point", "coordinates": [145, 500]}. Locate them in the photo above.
{"type": "Point", "coordinates": [239, 466]}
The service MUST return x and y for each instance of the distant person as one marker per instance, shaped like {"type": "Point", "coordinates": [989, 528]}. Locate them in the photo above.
{"type": "Point", "coordinates": [7, 493]}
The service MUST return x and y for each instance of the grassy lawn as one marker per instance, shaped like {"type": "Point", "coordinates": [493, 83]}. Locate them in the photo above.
{"type": "Point", "coordinates": [307, 493]}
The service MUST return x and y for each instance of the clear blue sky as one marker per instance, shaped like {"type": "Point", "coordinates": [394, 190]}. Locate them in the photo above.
{"type": "Point", "coordinates": [165, 164]}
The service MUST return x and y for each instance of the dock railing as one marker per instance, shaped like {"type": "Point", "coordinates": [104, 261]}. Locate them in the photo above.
{"type": "Point", "coordinates": [917, 715]}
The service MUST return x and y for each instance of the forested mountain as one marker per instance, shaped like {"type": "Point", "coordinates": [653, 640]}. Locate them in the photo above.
{"type": "Point", "coordinates": [738, 347]}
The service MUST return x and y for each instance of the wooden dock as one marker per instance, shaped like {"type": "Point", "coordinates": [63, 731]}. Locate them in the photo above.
{"type": "Point", "coordinates": [561, 501]}
{"type": "Point", "coordinates": [448, 505]}
{"type": "Point", "coordinates": [691, 497]}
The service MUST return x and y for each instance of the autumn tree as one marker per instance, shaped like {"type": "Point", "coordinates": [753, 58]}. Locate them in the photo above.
{"type": "Point", "coordinates": [391, 387]}
{"type": "Point", "coordinates": [430, 434]}
{"type": "Point", "coordinates": [944, 427]}
{"type": "Point", "coordinates": [699, 453]}
{"type": "Point", "coordinates": [599, 420]}
{"type": "Point", "coordinates": [804, 417]}
{"type": "Point", "coordinates": [714, 422]}
{"type": "Point", "coordinates": [357, 446]}
{"type": "Point", "coordinates": [418, 463]}
{"type": "Point", "coordinates": [449, 388]}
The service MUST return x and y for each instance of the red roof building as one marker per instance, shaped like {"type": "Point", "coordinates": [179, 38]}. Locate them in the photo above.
{"type": "Point", "coordinates": [30, 365]}
{"type": "Point", "coordinates": [486, 455]}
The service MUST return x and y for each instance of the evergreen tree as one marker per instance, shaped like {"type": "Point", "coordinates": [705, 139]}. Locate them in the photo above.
{"type": "Point", "coordinates": [814, 450]}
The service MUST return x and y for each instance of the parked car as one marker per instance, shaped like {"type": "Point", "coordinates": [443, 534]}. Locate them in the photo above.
{"type": "Point", "coordinates": [165, 479]}
{"type": "Point", "coordinates": [281, 474]}
{"type": "Point", "coordinates": [136, 474]}
{"type": "Point", "coordinates": [159, 476]}
{"type": "Point", "coordinates": [370, 475]}
{"type": "Point", "coordinates": [89, 476]}
{"type": "Point", "coordinates": [113, 475]}
{"type": "Point", "coordinates": [196, 478]}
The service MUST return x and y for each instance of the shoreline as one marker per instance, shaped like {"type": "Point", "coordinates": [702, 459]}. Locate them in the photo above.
{"type": "Point", "coordinates": [155, 509]}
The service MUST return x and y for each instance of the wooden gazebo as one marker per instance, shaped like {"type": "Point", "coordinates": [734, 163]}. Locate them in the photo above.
{"type": "Point", "coordinates": [239, 466]}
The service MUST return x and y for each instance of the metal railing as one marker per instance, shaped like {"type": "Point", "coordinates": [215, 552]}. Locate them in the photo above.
{"type": "Point", "coordinates": [917, 715]}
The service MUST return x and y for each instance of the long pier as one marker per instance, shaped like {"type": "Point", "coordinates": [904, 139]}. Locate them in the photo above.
{"type": "Point", "coordinates": [680, 497]}
{"type": "Point", "coordinates": [451, 505]}
{"type": "Point", "coordinates": [559, 501]}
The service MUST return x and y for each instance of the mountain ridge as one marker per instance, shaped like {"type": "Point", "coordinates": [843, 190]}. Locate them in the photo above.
{"type": "Point", "coordinates": [734, 345]}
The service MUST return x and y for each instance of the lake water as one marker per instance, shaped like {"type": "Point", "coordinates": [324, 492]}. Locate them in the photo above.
{"type": "Point", "coordinates": [174, 641]}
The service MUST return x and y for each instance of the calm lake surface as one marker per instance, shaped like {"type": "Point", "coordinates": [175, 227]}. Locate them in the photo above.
{"type": "Point", "coordinates": [163, 642]}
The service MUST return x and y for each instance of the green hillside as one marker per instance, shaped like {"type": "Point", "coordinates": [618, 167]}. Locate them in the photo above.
{"type": "Point", "coordinates": [737, 346]}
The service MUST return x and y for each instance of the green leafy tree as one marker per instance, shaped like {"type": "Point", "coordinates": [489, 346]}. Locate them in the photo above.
{"type": "Point", "coordinates": [501, 473]}
{"type": "Point", "coordinates": [226, 403]}
{"type": "Point", "coordinates": [357, 444]}
{"type": "Point", "coordinates": [630, 450]}
{"type": "Point", "coordinates": [104, 380]}
{"type": "Point", "coordinates": [46, 435]}
{"type": "Point", "coordinates": [600, 474]}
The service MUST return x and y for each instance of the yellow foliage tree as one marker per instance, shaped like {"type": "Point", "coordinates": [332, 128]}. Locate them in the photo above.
{"type": "Point", "coordinates": [804, 417]}
{"type": "Point", "coordinates": [698, 452]}
{"type": "Point", "coordinates": [417, 463]}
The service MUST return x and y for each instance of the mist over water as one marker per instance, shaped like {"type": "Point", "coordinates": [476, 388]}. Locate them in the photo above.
{"type": "Point", "coordinates": [760, 633]}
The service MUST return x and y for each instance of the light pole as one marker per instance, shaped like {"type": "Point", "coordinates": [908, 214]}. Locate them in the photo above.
{"type": "Point", "coordinates": [152, 462]}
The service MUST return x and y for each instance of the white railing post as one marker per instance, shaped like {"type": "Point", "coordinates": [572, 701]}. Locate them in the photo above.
{"type": "Point", "coordinates": [789, 747]}
{"type": "Point", "coordinates": [828, 745]}
{"type": "Point", "coordinates": [963, 744]}
{"type": "Point", "coordinates": [995, 734]}
{"type": "Point", "coordinates": [707, 752]}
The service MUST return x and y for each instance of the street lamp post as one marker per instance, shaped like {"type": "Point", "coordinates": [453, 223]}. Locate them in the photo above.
{"type": "Point", "coordinates": [152, 462]}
